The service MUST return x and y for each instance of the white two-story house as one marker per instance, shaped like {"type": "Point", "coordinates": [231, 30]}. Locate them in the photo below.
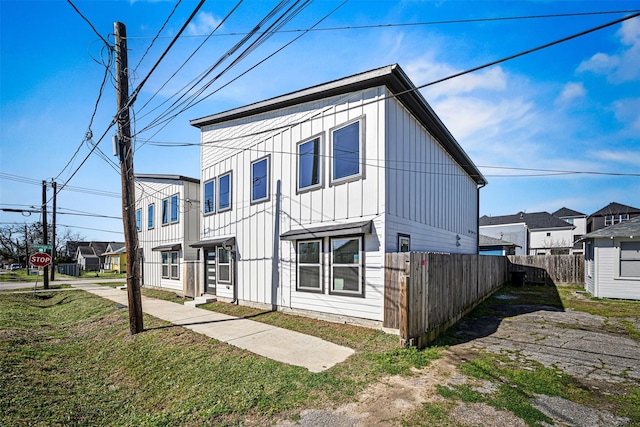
{"type": "Point", "coordinates": [303, 194]}
{"type": "Point", "coordinates": [168, 222]}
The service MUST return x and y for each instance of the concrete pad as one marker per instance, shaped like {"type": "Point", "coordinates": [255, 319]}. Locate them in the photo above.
{"type": "Point", "coordinates": [279, 344]}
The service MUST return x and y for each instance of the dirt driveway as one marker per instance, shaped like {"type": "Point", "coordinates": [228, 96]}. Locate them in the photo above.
{"type": "Point", "coordinates": [600, 355]}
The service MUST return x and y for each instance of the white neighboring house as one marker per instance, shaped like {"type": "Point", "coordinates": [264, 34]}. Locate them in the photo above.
{"type": "Point", "coordinates": [612, 261]}
{"type": "Point", "coordinates": [168, 222]}
{"type": "Point", "coordinates": [537, 233]}
{"type": "Point", "coordinates": [579, 220]}
{"type": "Point", "coordinates": [303, 194]}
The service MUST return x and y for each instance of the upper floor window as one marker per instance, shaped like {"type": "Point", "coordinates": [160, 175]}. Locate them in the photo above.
{"type": "Point", "coordinates": [150, 210]}
{"type": "Point", "coordinates": [309, 164]}
{"type": "Point", "coordinates": [615, 219]}
{"type": "Point", "coordinates": [347, 152]}
{"type": "Point", "coordinates": [165, 211]}
{"type": "Point", "coordinates": [209, 196]}
{"type": "Point", "coordinates": [170, 209]}
{"type": "Point", "coordinates": [138, 219]}
{"type": "Point", "coordinates": [260, 180]}
{"type": "Point", "coordinates": [224, 198]}
{"type": "Point", "coordinates": [174, 208]}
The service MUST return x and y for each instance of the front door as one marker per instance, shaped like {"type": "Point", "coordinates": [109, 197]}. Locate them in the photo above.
{"type": "Point", "coordinates": [210, 271]}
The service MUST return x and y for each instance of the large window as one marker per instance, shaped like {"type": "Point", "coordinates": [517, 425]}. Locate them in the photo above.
{"type": "Point", "coordinates": [209, 196]}
{"type": "Point", "coordinates": [174, 208]}
{"type": "Point", "coordinates": [346, 266]}
{"type": "Point", "coordinates": [346, 152]}
{"type": "Point", "coordinates": [310, 265]}
{"type": "Point", "coordinates": [224, 265]}
{"type": "Point", "coordinates": [224, 198]}
{"type": "Point", "coordinates": [260, 180]}
{"type": "Point", "coordinates": [309, 164]}
{"type": "Point", "coordinates": [630, 259]}
{"type": "Point", "coordinates": [165, 211]}
{"type": "Point", "coordinates": [170, 209]}
{"type": "Point", "coordinates": [170, 265]}
{"type": "Point", "coordinates": [150, 210]}
{"type": "Point", "coordinates": [138, 219]}
{"type": "Point", "coordinates": [615, 219]}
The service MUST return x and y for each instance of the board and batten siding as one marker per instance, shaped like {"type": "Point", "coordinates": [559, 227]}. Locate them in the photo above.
{"type": "Point", "coordinates": [429, 196]}
{"type": "Point", "coordinates": [266, 266]}
{"type": "Point", "coordinates": [185, 231]}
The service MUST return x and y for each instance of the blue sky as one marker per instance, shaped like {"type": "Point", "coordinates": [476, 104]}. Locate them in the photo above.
{"type": "Point", "coordinates": [574, 106]}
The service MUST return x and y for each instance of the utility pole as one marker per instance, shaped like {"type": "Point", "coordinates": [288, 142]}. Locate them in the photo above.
{"type": "Point", "coordinates": [128, 190]}
{"type": "Point", "coordinates": [53, 234]}
{"type": "Point", "coordinates": [44, 230]}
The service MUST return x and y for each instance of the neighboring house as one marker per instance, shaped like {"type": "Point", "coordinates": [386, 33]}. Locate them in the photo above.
{"type": "Point", "coordinates": [303, 194]}
{"type": "Point", "coordinates": [492, 246]}
{"type": "Point", "coordinates": [168, 222]}
{"type": "Point", "coordinates": [612, 261]}
{"type": "Point", "coordinates": [611, 214]}
{"type": "Point", "coordinates": [579, 220]}
{"type": "Point", "coordinates": [115, 258]}
{"type": "Point", "coordinates": [87, 259]}
{"type": "Point", "coordinates": [72, 247]}
{"type": "Point", "coordinates": [537, 233]}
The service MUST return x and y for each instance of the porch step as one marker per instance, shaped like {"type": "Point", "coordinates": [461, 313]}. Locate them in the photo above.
{"type": "Point", "coordinates": [199, 301]}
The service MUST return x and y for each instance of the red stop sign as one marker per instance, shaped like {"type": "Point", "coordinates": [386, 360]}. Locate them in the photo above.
{"type": "Point", "coordinates": [40, 259]}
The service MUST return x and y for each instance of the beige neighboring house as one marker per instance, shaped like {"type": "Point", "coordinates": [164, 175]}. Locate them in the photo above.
{"type": "Point", "coordinates": [168, 221]}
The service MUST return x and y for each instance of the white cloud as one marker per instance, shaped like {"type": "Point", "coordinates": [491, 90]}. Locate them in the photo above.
{"type": "Point", "coordinates": [627, 112]}
{"type": "Point", "coordinates": [426, 70]}
{"type": "Point", "coordinates": [618, 156]}
{"type": "Point", "coordinates": [621, 67]}
{"type": "Point", "coordinates": [570, 92]}
{"type": "Point", "coordinates": [203, 25]}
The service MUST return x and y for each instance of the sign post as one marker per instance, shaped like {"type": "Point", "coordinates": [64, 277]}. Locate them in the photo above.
{"type": "Point", "coordinates": [39, 259]}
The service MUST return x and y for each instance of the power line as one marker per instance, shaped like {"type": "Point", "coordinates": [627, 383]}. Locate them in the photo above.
{"type": "Point", "coordinates": [88, 22]}
{"type": "Point", "coordinates": [89, 228]}
{"type": "Point", "coordinates": [175, 7]}
{"type": "Point", "coordinates": [425, 23]}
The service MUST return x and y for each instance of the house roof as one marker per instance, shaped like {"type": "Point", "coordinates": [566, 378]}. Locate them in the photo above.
{"type": "Point", "coordinates": [99, 247]}
{"type": "Point", "coordinates": [485, 241]}
{"type": "Point", "coordinates": [86, 251]}
{"type": "Point", "coordinates": [534, 220]}
{"type": "Point", "coordinates": [567, 213]}
{"type": "Point", "coordinates": [165, 177]}
{"type": "Point", "coordinates": [628, 228]}
{"type": "Point", "coordinates": [117, 251]}
{"type": "Point", "coordinates": [614, 208]}
{"type": "Point", "coordinates": [391, 76]}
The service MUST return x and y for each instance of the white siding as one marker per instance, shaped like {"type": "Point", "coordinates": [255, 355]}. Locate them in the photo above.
{"type": "Point", "coordinates": [556, 238]}
{"type": "Point", "coordinates": [608, 284]}
{"type": "Point", "coordinates": [429, 196]}
{"type": "Point", "coordinates": [185, 231]}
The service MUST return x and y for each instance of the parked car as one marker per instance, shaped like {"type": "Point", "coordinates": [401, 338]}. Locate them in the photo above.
{"type": "Point", "coordinates": [15, 267]}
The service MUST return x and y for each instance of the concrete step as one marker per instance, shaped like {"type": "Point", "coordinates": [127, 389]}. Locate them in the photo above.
{"type": "Point", "coordinates": [197, 301]}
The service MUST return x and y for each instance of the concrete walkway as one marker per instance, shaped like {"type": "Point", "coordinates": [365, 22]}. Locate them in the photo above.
{"type": "Point", "coordinates": [269, 341]}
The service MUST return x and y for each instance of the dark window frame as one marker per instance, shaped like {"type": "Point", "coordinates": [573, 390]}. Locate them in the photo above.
{"type": "Point", "coordinates": [267, 197]}
{"type": "Point", "coordinates": [151, 208]}
{"type": "Point", "coordinates": [361, 153]}
{"type": "Point", "coordinates": [320, 161]}
{"type": "Point", "coordinates": [219, 179]}
{"type": "Point", "coordinates": [213, 197]}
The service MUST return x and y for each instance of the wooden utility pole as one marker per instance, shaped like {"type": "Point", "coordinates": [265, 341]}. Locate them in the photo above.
{"type": "Point", "coordinates": [45, 236]}
{"type": "Point", "coordinates": [53, 234]}
{"type": "Point", "coordinates": [128, 190]}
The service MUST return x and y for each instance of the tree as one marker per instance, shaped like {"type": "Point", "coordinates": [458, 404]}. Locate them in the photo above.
{"type": "Point", "coordinates": [17, 240]}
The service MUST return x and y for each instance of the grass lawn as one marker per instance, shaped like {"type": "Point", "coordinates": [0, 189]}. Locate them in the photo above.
{"type": "Point", "coordinates": [67, 358]}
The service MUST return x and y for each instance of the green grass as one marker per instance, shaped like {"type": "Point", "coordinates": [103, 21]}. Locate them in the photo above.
{"type": "Point", "coordinates": [105, 275]}
{"type": "Point", "coordinates": [67, 358]}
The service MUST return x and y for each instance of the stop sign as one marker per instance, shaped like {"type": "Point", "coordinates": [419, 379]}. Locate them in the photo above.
{"type": "Point", "coordinates": [40, 259]}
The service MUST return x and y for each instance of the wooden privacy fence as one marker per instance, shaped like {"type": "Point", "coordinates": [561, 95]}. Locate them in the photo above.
{"type": "Point", "coordinates": [425, 293]}
{"type": "Point", "coordinates": [549, 269]}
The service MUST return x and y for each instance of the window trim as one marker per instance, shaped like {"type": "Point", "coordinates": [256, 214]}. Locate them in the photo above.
{"type": "Point", "coordinates": [219, 264]}
{"type": "Point", "coordinates": [266, 158]}
{"type": "Point", "coordinates": [361, 267]}
{"type": "Point", "coordinates": [177, 206]}
{"type": "Point", "coordinates": [320, 265]}
{"type": "Point", "coordinates": [169, 265]}
{"type": "Point", "coordinates": [219, 209]}
{"type": "Point", "coordinates": [361, 156]}
{"type": "Point", "coordinates": [402, 236]}
{"type": "Point", "coordinates": [620, 260]}
{"type": "Point", "coordinates": [320, 184]}
{"type": "Point", "coordinates": [165, 210]}
{"type": "Point", "coordinates": [139, 219]}
{"type": "Point", "coordinates": [204, 197]}
{"type": "Point", "coordinates": [151, 210]}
